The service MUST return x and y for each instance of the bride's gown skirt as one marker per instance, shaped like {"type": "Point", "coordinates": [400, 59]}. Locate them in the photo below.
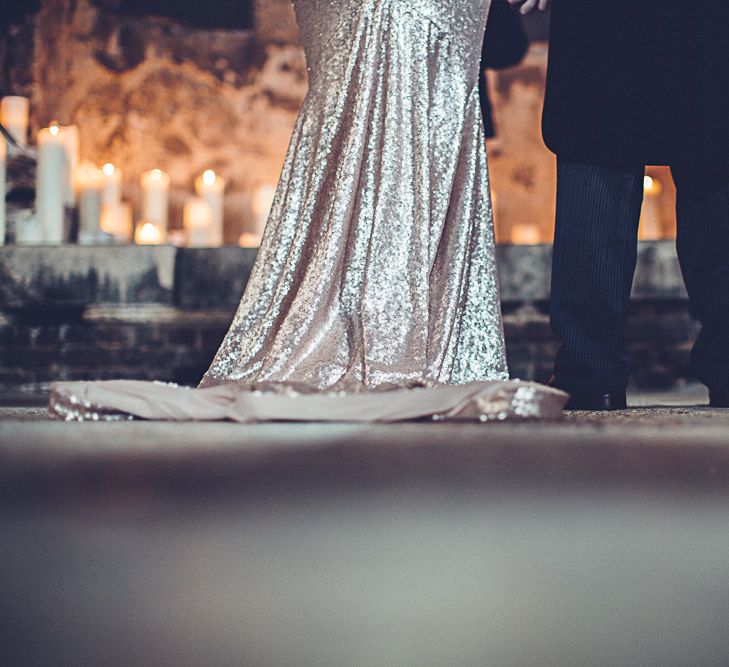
{"type": "Point", "coordinates": [376, 269]}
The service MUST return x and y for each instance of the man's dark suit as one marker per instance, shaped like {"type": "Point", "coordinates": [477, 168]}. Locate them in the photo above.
{"type": "Point", "coordinates": [630, 83]}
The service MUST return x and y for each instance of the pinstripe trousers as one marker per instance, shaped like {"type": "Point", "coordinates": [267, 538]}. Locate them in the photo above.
{"type": "Point", "coordinates": [595, 253]}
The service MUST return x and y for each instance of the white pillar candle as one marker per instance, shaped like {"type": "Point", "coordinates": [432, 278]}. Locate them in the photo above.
{"type": "Point", "coordinates": [651, 220]}
{"type": "Point", "coordinates": [197, 219]}
{"type": "Point", "coordinates": [49, 183]}
{"type": "Point", "coordinates": [112, 188]}
{"type": "Point", "coordinates": [148, 233]}
{"type": "Point", "coordinates": [15, 116]}
{"type": "Point", "coordinates": [117, 222]}
{"type": "Point", "coordinates": [70, 136]}
{"type": "Point", "coordinates": [526, 234]}
{"type": "Point", "coordinates": [155, 199]}
{"type": "Point", "coordinates": [3, 157]}
{"type": "Point", "coordinates": [262, 203]}
{"type": "Point", "coordinates": [211, 187]}
{"type": "Point", "coordinates": [89, 183]}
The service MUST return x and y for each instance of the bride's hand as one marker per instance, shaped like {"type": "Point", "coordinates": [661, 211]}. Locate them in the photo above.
{"type": "Point", "coordinates": [530, 5]}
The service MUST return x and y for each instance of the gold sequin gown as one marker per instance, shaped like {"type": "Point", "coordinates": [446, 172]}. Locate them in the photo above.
{"type": "Point", "coordinates": [376, 270]}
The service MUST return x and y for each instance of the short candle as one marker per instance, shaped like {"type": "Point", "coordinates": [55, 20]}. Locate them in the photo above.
{"type": "Point", "coordinates": [211, 187]}
{"type": "Point", "coordinates": [155, 199]}
{"type": "Point", "coordinates": [89, 183]}
{"type": "Point", "coordinates": [15, 117]}
{"type": "Point", "coordinates": [112, 189]}
{"type": "Point", "coordinates": [148, 234]}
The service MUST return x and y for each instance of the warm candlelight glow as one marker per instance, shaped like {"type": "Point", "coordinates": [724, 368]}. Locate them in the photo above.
{"type": "Point", "coordinates": [651, 186]}
{"type": "Point", "coordinates": [651, 217]}
{"type": "Point", "coordinates": [108, 169]}
{"type": "Point", "coordinates": [249, 240]}
{"type": "Point", "coordinates": [211, 187]}
{"type": "Point", "coordinates": [526, 234]}
{"type": "Point", "coordinates": [198, 223]}
{"type": "Point", "coordinates": [148, 234]}
{"type": "Point", "coordinates": [15, 116]}
{"type": "Point", "coordinates": [116, 221]}
{"type": "Point", "coordinates": [156, 174]}
{"type": "Point", "coordinates": [54, 130]}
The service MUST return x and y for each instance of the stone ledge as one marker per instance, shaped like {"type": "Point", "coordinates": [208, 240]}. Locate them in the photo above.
{"type": "Point", "coordinates": [81, 275]}
{"type": "Point", "coordinates": [205, 278]}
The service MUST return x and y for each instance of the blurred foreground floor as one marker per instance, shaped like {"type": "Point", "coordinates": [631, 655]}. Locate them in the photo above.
{"type": "Point", "coordinates": [596, 540]}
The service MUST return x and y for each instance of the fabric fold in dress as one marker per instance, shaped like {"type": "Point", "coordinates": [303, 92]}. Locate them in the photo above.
{"type": "Point", "coordinates": [476, 401]}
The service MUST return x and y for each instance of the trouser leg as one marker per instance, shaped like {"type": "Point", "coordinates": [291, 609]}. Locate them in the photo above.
{"type": "Point", "coordinates": [595, 253]}
{"type": "Point", "coordinates": [703, 250]}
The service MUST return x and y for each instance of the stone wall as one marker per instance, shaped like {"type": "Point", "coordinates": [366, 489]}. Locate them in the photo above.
{"type": "Point", "coordinates": [160, 313]}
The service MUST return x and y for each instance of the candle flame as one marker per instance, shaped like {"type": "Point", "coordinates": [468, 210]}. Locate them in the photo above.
{"type": "Point", "coordinates": [209, 177]}
{"type": "Point", "coordinates": [108, 169]}
{"type": "Point", "coordinates": [148, 234]}
{"type": "Point", "coordinates": [651, 186]}
{"type": "Point", "coordinates": [156, 174]}
{"type": "Point", "coordinates": [54, 130]}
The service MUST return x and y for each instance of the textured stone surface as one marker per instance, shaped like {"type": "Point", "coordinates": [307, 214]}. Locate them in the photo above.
{"type": "Point", "coordinates": [212, 278]}
{"type": "Point", "coordinates": [75, 312]}
{"type": "Point", "coordinates": [77, 275]}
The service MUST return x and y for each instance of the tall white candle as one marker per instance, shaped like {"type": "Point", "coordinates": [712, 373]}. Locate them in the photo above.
{"type": "Point", "coordinates": [112, 189]}
{"type": "Point", "coordinates": [15, 116]}
{"type": "Point", "coordinates": [198, 223]}
{"type": "Point", "coordinates": [262, 203]}
{"type": "Point", "coordinates": [211, 188]}
{"type": "Point", "coordinates": [50, 184]}
{"type": "Point", "coordinates": [155, 199]}
{"type": "Point", "coordinates": [3, 157]}
{"type": "Point", "coordinates": [71, 140]}
{"type": "Point", "coordinates": [89, 183]}
{"type": "Point", "coordinates": [118, 222]}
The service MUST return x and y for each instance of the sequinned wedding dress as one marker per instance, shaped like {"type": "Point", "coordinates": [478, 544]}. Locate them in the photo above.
{"type": "Point", "coordinates": [374, 295]}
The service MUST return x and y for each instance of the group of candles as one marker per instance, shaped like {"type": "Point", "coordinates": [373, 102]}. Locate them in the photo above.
{"type": "Point", "coordinates": [63, 182]}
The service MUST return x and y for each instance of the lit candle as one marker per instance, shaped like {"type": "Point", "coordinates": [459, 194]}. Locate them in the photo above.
{"type": "Point", "coordinates": [526, 234]}
{"type": "Point", "coordinates": [249, 240]}
{"type": "Point", "coordinates": [117, 222]}
{"type": "Point", "coordinates": [155, 199]}
{"type": "Point", "coordinates": [49, 183]}
{"type": "Point", "coordinates": [89, 183]}
{"type": "Point", "coordinates": [651, 221]}
{"type": "Point", "coordinates": [70, 136]}
{"type": "Point", "coordinates": [148, 234]}
{"type": "Point", "coordinates": [3, 156]}
{"type": "Point", "coordinates": [197, 220]}
{"type": "Point", "coordinates": [111, 194]}
{"type": "Point", "coordinates": [211, 187]}
{"type": "Point", "coordinates": [14, 116]}
{"type": "Point", "coordinates": [262, 203]}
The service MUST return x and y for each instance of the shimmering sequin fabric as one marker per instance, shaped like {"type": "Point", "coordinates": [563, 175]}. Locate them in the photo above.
{"type": "Point", "coordinates": [374, 296]}
{"type": "Point", "coordinates": [377, 263]}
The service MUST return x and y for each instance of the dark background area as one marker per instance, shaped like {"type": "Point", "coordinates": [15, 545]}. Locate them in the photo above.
{"type": "Point", "coordinates": [233, 14]}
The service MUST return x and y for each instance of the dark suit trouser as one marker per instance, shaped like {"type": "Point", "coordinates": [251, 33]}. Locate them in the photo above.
{"type": "Point", "coordinates": [595, 252]}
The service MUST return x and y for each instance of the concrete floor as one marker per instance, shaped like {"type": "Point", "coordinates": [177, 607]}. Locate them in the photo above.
{"type": "Point", "coordinates": [599, 539]}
